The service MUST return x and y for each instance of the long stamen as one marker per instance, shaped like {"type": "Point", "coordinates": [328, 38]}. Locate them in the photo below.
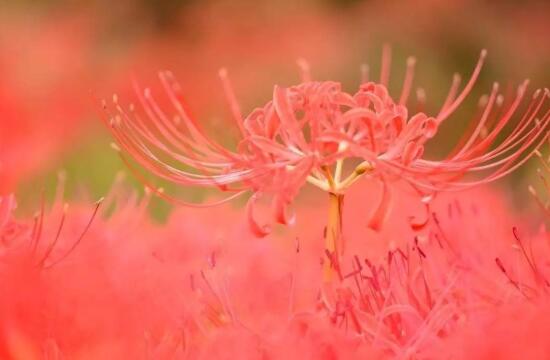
{"type": "Point", "coordinates": [54, 242]}
{"type": "Point", "coordinates": [305, 70]}
{"type": "Point", "coordinates": [386, 64]}
{"type": "Point", "coordinates": [407, 83]}
{"type": "Point", "coordinates": [364, 73]}
{"type": "Point", "coordinates": [232, 100]}
{"type": "Point", "coordinates": [445, 113]}
{"type": "Point", "coordinates": [79, 239]}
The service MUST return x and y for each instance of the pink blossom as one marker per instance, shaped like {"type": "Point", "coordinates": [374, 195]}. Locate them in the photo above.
{"type": "Point", "coordinates": [306, 129]}
{"type": "Point", "coordinates": [313, 132]}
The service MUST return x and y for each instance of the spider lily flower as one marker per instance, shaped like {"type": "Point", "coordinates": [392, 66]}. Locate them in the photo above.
{"type": "Point", "coordinates": [317, 133]}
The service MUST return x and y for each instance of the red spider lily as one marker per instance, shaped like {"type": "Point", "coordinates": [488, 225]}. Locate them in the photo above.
{"type": "Point", "coordinates": [308, 129]}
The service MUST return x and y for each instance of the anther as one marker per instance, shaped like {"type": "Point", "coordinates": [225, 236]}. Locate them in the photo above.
{"type": "Point", "coordinates": [115, 147]}
{"type": "Point", "coordinates": [483, 53]}
{"type": "Point", "coordinates": [363, 168]}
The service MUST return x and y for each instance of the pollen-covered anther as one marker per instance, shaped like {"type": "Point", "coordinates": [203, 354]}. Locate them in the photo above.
{"type": "Point", "coordinates": [363, 168]}
{"type": "Point", "coordinates": [115, 147]}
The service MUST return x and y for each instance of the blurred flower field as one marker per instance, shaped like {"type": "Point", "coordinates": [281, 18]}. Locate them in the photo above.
{"type": "Point", "coordinates": [379, 204]}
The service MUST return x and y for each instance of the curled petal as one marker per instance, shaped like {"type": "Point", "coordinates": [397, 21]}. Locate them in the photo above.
{"type": "Point", "coordinates": [412, 152]}
{"type": "Point", "coordinates": [398, 123]}
{"type": "Point", "coordinates": [345, 99]}
{"type": "Point", "coordinates": [254, 122]}
{"type": "Point", "coordinates": [381, 213]}
{"type": "Point", "coordinates": [280, 207]}
{"type": "Point", "coordinates": [257, 229]}
{"type": "Point", "coordinates": [419, 224]}
{"type": "Point", "coordinates": [430, 128]}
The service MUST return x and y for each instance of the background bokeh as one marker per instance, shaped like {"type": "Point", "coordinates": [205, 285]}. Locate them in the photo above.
{"type": "Point", "coordinates": [59, 57]}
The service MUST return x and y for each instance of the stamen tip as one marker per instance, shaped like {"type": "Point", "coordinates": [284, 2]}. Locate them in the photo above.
{"type": "Point", "coordinates": [61, 175]}
{"type": "Point", "coordinates": [302, 62]}
{"type": "Point", "coordinates": [523, 88]}
{"type": "Point", "coordinates": [483, 100]}
{"type": "Point", "coordinates": [115, 147]}
{"type": "Point", "coordinates": [363, 168]}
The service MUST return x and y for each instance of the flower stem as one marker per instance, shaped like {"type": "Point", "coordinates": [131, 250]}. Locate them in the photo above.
{"type": "Point", "coordinates": [334, 244]}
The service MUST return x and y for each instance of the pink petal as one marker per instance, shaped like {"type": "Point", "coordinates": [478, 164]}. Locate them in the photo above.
{"type": "Point", "coordinates": [381, 213]}
{"type": "Point", "coordinates": [280, 206]}
{"type": "Point", "coordinates": [257, 229]}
